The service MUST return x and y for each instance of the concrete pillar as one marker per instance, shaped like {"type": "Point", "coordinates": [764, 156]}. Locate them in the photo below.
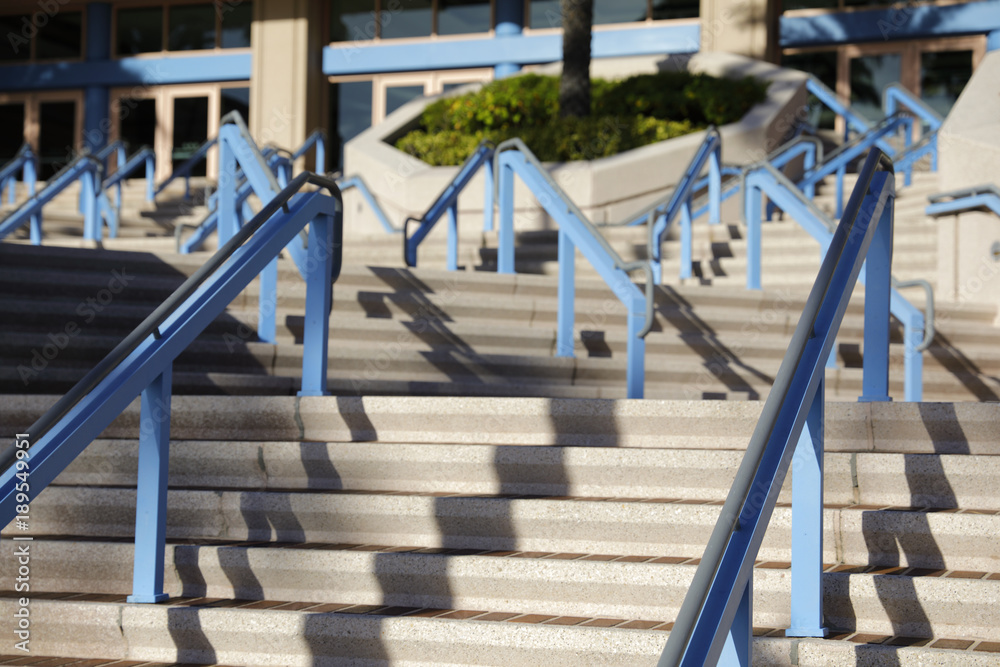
{"type": "Point", "coordinates": [510, 23]}
{"type": "Point", "coordinates": [746, 27]}
{"type": "Point", "coordinates": [993, 41]}
{"type": "Point", "coordinates": [286, 83]}
{"type": "Point", "coordinates": [97, 100]}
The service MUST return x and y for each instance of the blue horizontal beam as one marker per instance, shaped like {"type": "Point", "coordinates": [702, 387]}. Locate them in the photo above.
{"type": "Point", "coordinates": [128, 72]}
{"type": "Point", "coordinates": [878, 25]}
{"type": "Point", "coordinates": [369, 58]}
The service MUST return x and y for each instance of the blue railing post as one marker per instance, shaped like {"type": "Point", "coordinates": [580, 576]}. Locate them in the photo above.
{"type": "Point", "coordinates": [227, 224]}
{"type": "Point", "coordinates": [807, 524]}
{"type": "Point", "coordinates": [714, 189]}
{"type": "Point", "coordinates": [319, 294]}
{"type": "Point", "coordinates": [636, 351]}
{"type": "Point", "coordinates": [839, 204]}
{"type": "Point", "coordinates": [505, 243]}
{"type": "Point", "coordinates": [320, 155]}
{"type": "Point", "coordinates": [878, 291]}
{"type": "Point", "coordinates": [567, 295]}
{"type": "Point", "coordinates": [488, 198]}
{"type": "Point", "coordinates": [686, 240]}
{"type": "Point", "coordinates": [88, 195]}
{"type": "Point", "coordinates": [913, 361]}
{"type": "Point", "coordinates": [267, 303]}
{"type": "Point", "coordinates": [151, 491]}
{"type": "Point", "coordinates": [150, 176]}
{"type": "Point", "coordinates": [738, 649]}
{"type": "Point", "coordinates": [752, 213]}
{"type": "Point", "coordinates": [453, 236]}
{"type": "Point", "coordinates": [30, 177]}
{"type": "Point", "coordinates": [809, 163]}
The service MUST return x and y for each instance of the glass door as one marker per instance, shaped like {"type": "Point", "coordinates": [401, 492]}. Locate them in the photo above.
{"type": "Point", "coordinates": [56, 135]}
{"type": "Point", "coordinates": [12, 119]}
{"type": "Point", "coordinates": [190, 131]}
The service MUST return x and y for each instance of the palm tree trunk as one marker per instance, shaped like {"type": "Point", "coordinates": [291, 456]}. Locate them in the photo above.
{"type": "Point", "coordinates": [574, 86]}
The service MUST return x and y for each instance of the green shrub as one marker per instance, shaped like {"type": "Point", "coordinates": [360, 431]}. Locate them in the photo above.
{"type": "Point", "coordinates": [625, 114]}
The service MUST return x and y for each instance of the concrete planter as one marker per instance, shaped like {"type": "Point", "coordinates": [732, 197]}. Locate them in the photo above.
{"type": "Point", "coordinates": [607, 189]}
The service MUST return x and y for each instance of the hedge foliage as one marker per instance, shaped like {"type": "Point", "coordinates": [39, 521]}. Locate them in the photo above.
{"type": "Point", "coordinates": [625, 114]}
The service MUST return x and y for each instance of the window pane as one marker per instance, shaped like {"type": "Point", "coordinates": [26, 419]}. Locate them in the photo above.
{"type": "Point", "coordinates": [869, 75]}
{"type": "Point", "coordinates": [191, 27]}
{"type": "Point", "coordinates": [823, 65]}
{"type": "Point", "coordinates": [943, 75]}
{"type": "Point", "coordinates": [140, 30]}
{"type": "Point", "coordinates": [62, 37]}
{"type": "Point", "coordinates": [456, 17]}
{"type": "Point", "coordinates": [350, 115]}
{"type": "Point", "coordinates": [675, 9]}
{"type": "Point", "coordinates": [619, 11]}
{"type": "Point", "coordinates": [397, 96]}
{"type": "Point", "coordinates": [236, 21]}
{"type": "Point", "coordinates": [137, 123]}
{"type": "Point", "coordinates": [236, 99]}
{"type": "Point", "coordinates": [56, 134]}
{"type": "Point", "coordinates": [12, 120]}
{"type": "Point", "coordinates": [808, 4]}
{"type": "Point", "coordinates": [15, 44]}
{"type": "Point", "coordinates": [545, 14]}
{"type": "Point", "coordinates": [410, 19]}
{"type": "Point", "coordinates": [190, 130]}
{"type": "Point", "coordinates": [352, 20]}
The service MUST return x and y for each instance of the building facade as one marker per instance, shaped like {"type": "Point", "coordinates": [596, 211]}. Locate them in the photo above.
{"type": "Point", "coordinates": [75, 74]}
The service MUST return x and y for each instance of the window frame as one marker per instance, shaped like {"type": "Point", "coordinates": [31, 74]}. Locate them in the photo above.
{"type": "Point", "coordinates": [165, 52]}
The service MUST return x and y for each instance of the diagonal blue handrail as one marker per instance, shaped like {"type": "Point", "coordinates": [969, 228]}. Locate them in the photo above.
{"type": "Point", "coordinates": [853, 121]}
{"type": "Point", "coordinates": [715, 620]}
{"type": "Point", "coordinates": [184, 171]}
{"type": "Point", "coordinates": [660, 219]}
{"type": "Point", "coordinates": [447, 202]}
{"type": "Point", "coordinates": [97, 209]}
{"type": "Point", "coordinates": [575, 231]}
{"type": "Point", "coordinates": [25, 161]}
{"type": "Point", "coordinates": [764, 179]}
{"type": "Point", "coordinates": [141, 364]}
{"type": "Point", "coordinates": [145, 156]}
{"type": "Point", "coordinates": [358, 183]}
{"type": "Point", "coordinates": [210, 222]}
{"type": "Point", "coordinates": [986, 195]}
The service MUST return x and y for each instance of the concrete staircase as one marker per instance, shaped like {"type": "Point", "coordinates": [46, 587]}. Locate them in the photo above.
{"type": "Point", "coordinates": [506, 531]}
{"type": "Point", "coordinates": [467, 497]}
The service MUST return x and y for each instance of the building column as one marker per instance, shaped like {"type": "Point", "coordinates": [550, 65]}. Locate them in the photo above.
{"type": "Point", "coordinates": [510, 23]}
{"type": "Point", "coordinates": [286, 83]}
{"type": "Point", "coordinates": [745, 27]}
{"type": "Point", "coordinates": [993, 41]}
{"type": "Point", "coordinates": [97, 99]}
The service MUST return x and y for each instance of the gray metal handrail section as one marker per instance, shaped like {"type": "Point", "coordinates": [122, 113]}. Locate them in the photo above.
{"type": "Point", "coordinates": [722, 583]}
{"type": "Point", "coordinates": [619, 263]}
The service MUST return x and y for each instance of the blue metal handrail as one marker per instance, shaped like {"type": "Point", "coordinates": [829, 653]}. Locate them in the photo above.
{"type": "Point", "coordinates": [839, 159]}
{"type": "Point", "coordinates": [318, 139]}
{"type": "Point", "coordinates": [26, 161]}
{"type": "Point", "coordinates": [142, 363]}
{"type": "Point", "coordinates": [660, 219]}
{"type": "Point", "coordinates": [143, 156]}
{"type": "Point", "coordinates": [715, 621]}
{"type": "Point", "coordinates": [185, 169]}
{"type": "Point", "coordinates": [896, 96]}
{"type": "Point", "coordinates": [96, 207]}
{"type": "Point", "coordinates": [447, 202]}
{"type": "Point", "coordinates": [358, 183]}
{"type": "Point", "coordinates": [210, 222]}
{"type": "Point", "coordinates": [852, 120]}
{"type": "Point", "coordinates": [575, 231]}
{"type": "Point", "coordinates": [986, 195]}
{"type": "Point", "coordinates": [764, 179]}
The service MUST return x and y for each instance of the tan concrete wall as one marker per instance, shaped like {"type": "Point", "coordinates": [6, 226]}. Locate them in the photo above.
{"type": "Point", "coordinates": [744, 27]}
{"type": "Point", "coordinates": [286, 83]}
{"type": "Point", "coordinates": [607, 189]}
{"type": "Point", "coordinates": [969, 154]}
